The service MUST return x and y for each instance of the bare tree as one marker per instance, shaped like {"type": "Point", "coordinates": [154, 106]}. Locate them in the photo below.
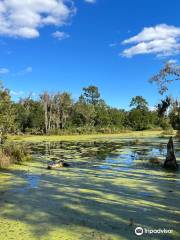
{"type": "Point", "coordinates": [47, 104]}
{"type": "Point", "coordinates": [168, 74]}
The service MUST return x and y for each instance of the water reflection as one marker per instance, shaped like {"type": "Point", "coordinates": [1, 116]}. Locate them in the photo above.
{"type": "Point", "coordinates": [103, 155]}
{"type": "Point", "coordinates": [32, 182]}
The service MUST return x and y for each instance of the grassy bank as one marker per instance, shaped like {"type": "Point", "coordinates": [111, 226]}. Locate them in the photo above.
{"type": "Point", "coordinates": [39, 138]}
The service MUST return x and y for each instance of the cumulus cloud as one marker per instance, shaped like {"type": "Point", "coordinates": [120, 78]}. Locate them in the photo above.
{"type": "Point", "coordinates": [90, 1]}
{"type": "Point", "coordinates": [24, 18]}
{"type": "Point", "coordinates": [60, 35]}
{"type": "Point", "coordinates": [4, 70]}
{"type": "Point", "coordinates": [161, 40]}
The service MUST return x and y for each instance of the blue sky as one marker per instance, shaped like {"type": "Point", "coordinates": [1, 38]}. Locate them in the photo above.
{"type": "Point", "coordinates": [63, 46]}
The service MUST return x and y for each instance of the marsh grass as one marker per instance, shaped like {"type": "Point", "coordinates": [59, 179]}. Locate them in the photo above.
{"type": "Point", "coordinates": [169, 131]}
{"type": "Point", "coordinates": [5, 160]}
{"type": "Point", "coordinates": [13, 153]}
{"type": "Point", "coordinates": [85, 137]}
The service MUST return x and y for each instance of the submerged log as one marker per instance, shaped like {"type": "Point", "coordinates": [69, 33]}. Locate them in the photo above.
{"type": "Point", "coordinates": [58, 164]}
{"type": "Point", "coordinates": [170, 162]}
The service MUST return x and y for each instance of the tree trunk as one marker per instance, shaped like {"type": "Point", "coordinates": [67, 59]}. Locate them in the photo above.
{"type": "Point", "coordinates": [45, 117]}
{"type": "Point", "coordinates": [170, 162]}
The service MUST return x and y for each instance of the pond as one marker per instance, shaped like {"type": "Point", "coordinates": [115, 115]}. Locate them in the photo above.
{"type": "Point", "coordinates": [110, 188]}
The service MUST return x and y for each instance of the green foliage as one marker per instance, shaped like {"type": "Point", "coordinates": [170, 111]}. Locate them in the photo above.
{"type": "Point", "coordinates": [29, 116]}
{"type": "Point", "coordinates": [139, 103]}
{"type": "Point", "coordinates": [59, 114]}
{"type": "Point", "coordinates": [84, 113]}
{"type": "Point", "coordinates": [138, 119]}
{"type": "Point", "coordinates": [165, 123]}
{"type": "Point", "coordinates": [91, 95]}
{"type": "Point", "coordinates": [6, 113]}
{"type": "Point", "coordinates": [174, 115]}
{"type": "Point", "coordinates": [102, 117]}
{"type": "Point", "coordinates": [117, 117]}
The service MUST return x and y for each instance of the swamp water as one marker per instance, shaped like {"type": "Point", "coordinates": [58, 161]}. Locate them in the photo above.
{"type": "Point", "coordinates": [110, 188]}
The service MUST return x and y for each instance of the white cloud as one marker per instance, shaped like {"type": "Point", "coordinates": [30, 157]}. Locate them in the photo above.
{"type": "Point", "coordinates": [161, 40]}
{"type": "Point", "coordinates": [90, 1]}
{"type": "Point", "coordinates": [60, 35]}
{"type": "Point", "coordinates": [24, 18]}
{"type": "Point", "coordinates": [4, 70]}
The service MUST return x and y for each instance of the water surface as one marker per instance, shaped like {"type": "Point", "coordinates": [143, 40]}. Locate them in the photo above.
{"type": "Point", "coordinates": [110, 188]}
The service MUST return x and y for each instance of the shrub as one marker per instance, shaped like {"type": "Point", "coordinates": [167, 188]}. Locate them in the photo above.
{"type": "Point", "coordinates": [17, 153]}
{"type": "Point", "coordinates": [165, 124]}
{"type": "Point", "coordinates": [5, 160]}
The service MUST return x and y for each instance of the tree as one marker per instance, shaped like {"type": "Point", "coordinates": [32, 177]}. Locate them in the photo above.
{"type": "Point", "coordinates": [117, 117]}
{"type": "Point", "coordinates": [6, 113]}
{"type": "Point", "coordinates": [174, 115]}
{"type": "Point", "coordinates": [57, 109]}
{"type": "Point", "coordinates": [63, 108]}
{"type": "Point", "coordinates": [139, 103]}
{"type": "Point", "coordinates": [29, 115]}
{"type": "Point", "coordinates": [163, 106]}
{"type": "Point", "coordinates": [36, 120]}
{"type": "Point", "coordinates": [46, 100]}
{"type": "Point", "coordinates": [91, 95]}
{"type": "Point", "coordinates": [102, 117]}
{"type": "Point", "coordinates": [84, 113]}
{"type": "Point", "coordinates": [168, 74]}
{"type": "Point", "coordinates": [138, 120]}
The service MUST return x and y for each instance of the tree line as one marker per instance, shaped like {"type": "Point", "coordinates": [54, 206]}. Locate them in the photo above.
{"type": "Point", "coordinates": [58, 113]}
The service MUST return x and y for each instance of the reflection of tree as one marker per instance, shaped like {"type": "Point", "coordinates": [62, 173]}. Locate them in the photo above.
{"type": "Point", "coordinates": [72, 150]}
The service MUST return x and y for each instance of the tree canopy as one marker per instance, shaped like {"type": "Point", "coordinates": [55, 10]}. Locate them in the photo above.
{"type": "Point", "coordinates": [139, 103]}
{"type": "Point", "coordinates": [58, 113]}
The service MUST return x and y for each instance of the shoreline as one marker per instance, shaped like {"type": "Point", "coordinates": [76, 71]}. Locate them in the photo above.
{"type": "Point", "coordinates": [86, 137]}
